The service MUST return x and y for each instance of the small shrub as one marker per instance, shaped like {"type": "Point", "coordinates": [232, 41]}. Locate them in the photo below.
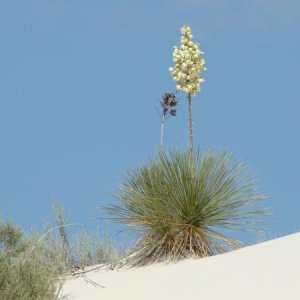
{"type": "Point", "coordinates": [24, 276]}
{"type": "Point", "coordinates": [31, 267]}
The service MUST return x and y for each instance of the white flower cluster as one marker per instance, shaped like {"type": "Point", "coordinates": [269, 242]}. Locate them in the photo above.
{"type": "Point", "coordinates": [188, 64]}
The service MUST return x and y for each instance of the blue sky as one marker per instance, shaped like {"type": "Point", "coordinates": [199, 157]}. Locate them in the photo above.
{"type": "Point", "coordinates": [80, 82]}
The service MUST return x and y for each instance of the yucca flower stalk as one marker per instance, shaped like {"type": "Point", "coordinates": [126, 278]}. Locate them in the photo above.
{"type": "Point", "coordinates": [187, 70]}
{"type": "Point", "coordinates": [180, 211]}
{"type": "Point", "coordinates": [168, 104]}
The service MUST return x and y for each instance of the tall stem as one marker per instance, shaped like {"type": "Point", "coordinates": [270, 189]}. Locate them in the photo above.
{"type": "Point", "coordinates": [162, 129]}
{"type": "Point", "coordinates": [191, 126]}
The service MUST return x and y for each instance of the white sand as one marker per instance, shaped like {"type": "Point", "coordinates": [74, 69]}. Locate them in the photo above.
{"type": "Point", "coordinates": [269, 270]}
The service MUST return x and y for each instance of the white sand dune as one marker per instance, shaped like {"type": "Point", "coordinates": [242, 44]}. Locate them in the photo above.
{"type": "Point", "coordinates": [269, 270]}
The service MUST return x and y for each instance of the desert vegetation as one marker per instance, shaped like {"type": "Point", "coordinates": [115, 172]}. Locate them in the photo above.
{"type": "Point", "coordinates": [179, 202]}
{"type": "Point", "coordinates": [33, 265]}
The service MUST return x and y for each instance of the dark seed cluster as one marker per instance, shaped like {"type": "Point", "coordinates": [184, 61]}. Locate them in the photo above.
{"type": "Point", "coordinates": [168, 104]}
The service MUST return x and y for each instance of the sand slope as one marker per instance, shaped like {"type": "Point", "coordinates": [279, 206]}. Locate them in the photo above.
{"type": "Point", "coordinates": [269, 270]}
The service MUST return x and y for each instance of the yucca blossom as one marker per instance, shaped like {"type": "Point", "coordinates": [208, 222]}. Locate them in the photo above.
{"type": "Point", "coordinates": [187, 71]}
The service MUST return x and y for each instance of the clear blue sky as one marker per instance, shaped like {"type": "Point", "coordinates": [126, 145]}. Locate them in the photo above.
{"type": "Point", "coordinates": [80, 81]}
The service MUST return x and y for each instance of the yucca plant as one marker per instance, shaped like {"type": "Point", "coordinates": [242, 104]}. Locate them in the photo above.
{"type": "Point", "coordinates": [178, 208]}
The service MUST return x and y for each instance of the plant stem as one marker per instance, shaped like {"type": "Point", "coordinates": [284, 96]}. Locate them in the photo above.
{"type": "Point", "coordinates": [162, 129]}
{"type": "Point", "coordinates": [191, 125]}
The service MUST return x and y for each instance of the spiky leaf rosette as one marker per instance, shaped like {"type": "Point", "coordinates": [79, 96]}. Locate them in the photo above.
{"type": "Point", "coordinates": [179, 207]}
